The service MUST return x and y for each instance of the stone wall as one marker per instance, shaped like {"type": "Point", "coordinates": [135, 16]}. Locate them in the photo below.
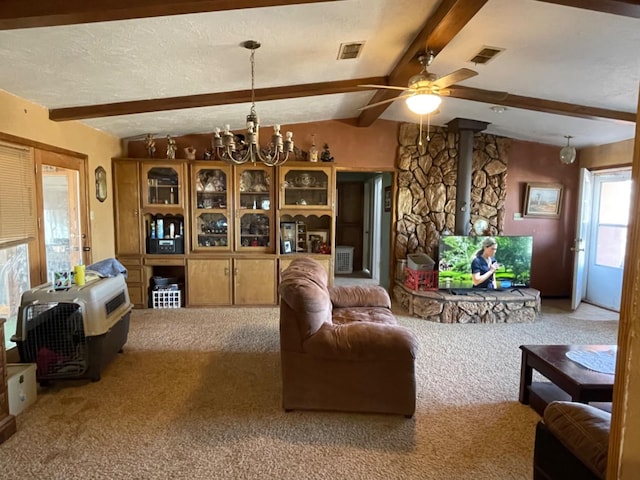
{"type": "Point", "coordinates": [427, 177]}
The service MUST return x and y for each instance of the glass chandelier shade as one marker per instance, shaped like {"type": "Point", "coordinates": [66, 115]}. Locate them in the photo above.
{"type": "Point", "coordinates": [568, 153]}
{"type": "Point", "coordinates": [423, 104]}
{"type": "Point", "coordinates": [224, 142]}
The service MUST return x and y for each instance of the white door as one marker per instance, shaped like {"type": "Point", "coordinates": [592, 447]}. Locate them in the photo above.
{"type": "Point", "coordinates": [608, 238]}
{"type": "Point", "coordinates": [585, 196]}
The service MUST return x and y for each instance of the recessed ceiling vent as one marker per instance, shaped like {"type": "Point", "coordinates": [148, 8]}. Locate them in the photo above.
{"type": "Point", "coordinates": [350, 50]}
{"type": "Point", "coordinates": [485, 55]}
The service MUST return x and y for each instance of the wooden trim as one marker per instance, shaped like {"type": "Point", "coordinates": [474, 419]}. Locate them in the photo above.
{"type": "Point", "coordinates": [22, 14]}
{"type": "Point", "coordinates": [539, 104]}
{"type": "Point", "coordinates": [624, 413]}
{"type": "Point", "coordinates": [40, 146]}
{"type": "Point", "coordinates": [210, 99]}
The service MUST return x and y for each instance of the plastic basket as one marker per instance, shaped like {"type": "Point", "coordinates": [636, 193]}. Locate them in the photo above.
{"type": "Point", "coordinates": [344, 259]}
{"type": "Point", "coordinates": [421, 279]}
{"type": "Point", "coordinates": [420, 261]}
{"type": "Point", "coordinates": [166, 298]}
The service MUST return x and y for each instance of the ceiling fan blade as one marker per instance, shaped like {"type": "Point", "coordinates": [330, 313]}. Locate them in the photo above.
{"type": "Point", "coordinates": [454, 77]}
{"type": "Point", "coordinates": [491, 96]}
{"type": "Point", "coordinates": [384, 101]}
{"type": "Point", "coordinates": [389, 87]}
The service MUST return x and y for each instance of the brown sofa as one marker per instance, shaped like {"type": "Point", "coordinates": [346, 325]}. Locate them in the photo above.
{"type": "Point", "coordinates": [341, 347]}
{"type": "Point", "coordinates": [572, 442]}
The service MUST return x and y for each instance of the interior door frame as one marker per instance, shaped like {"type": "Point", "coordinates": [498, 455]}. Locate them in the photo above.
{"type": "Point", "coordinates": [37, 249]}
{"type": "Point", "coordinates": [580, 243]}
{"type": "Point", "coordinates": [611, 175]}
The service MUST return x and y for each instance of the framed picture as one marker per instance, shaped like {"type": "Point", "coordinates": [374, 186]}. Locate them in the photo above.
{"type": "Point", "coordinates": [543, 200]}
{"type": "Point", "coordinates": [288, 231]}
{"type": "Point", "coordinates": [315, 238]}
{"type": "Point", "coordinates": [387, 198]}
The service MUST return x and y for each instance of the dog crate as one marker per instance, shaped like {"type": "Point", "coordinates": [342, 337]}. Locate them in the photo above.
{"type": "Point", "coordinates": [344, 259]}
{"type": "Point", "coordinates": [73, 333]}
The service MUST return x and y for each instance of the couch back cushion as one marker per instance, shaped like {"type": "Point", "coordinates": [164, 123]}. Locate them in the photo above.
{"type": "Point", "coordinates": [305, 302]}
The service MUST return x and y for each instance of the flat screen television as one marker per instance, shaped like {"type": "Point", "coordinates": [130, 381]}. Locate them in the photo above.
{"type": "Point", "coordinates": [455, 254]}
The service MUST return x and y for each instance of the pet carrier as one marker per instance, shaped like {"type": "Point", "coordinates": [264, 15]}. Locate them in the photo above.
{"type": "Point", "coordinates": [73, 333]}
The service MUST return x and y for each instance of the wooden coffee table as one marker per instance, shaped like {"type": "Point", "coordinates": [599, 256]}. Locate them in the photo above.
{"type": "Point", "coordinates": [567, 379]}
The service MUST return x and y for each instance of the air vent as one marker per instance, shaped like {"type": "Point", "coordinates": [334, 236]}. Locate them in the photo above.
{"type": "Point", "coordinates": [485, 55]}
{"type": "Point", "coordinates": [350, 50]}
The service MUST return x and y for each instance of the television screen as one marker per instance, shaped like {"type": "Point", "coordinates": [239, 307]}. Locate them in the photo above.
{"type": "Point", "coordinates": [457, 252]}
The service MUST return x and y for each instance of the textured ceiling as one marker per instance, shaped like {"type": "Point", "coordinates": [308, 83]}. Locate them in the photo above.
{"type": "Point", "coordinates": [551, 52]}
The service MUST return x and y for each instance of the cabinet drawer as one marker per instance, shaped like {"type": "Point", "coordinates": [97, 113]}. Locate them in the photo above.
{"type": "Point", "coordinates": [134, 275]}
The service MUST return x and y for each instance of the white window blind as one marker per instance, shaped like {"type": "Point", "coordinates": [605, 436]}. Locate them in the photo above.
{"type": "Point", "coordinates": [17, 195]}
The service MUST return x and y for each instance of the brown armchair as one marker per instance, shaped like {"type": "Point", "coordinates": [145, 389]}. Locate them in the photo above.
{"type": "Point", "coordinates": [341, 347]}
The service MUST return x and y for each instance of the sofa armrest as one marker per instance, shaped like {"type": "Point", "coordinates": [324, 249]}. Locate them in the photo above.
{"type": "Point", "coordinates": [363, 341]}
{"type": "Point", "coordinates": [584, 430]}
{"type": "Point", "coordinates": [359, 296]}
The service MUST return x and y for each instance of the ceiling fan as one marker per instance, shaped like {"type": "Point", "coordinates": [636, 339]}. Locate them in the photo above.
{"type": "Point", "coordinates": [424, 90]}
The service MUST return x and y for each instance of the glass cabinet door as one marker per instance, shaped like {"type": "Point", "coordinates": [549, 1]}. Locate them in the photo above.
{"type": "Point", "coordinates": [162, 185]}
{"type": "Point", "coordinates": [210, 196]}
{"type": "Point", "coordinates": [254, 190]}
{"type": "Point", "coordinates": [304, 187]}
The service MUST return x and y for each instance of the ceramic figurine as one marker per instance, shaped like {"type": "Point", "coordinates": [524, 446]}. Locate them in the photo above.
{"type": "Point", "coordinates": [171, 148]}
{"type": "Point", "coordinates": [313, 151]}
{"type": "Point", "coordinates": [190, 152]}
{"type": "Point", "coordinates": [326, 154]}
{"type": "Point", "coordinates": [150, 145]}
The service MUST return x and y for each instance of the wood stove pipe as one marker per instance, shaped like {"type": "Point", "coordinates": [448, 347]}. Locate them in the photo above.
{"type": "Point", "coordinates": [466, 130]}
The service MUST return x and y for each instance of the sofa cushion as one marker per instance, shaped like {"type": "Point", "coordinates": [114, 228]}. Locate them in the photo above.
{"type": "Point", "coordinates": [363, 342]}
{"type": "Point", "coordinates": [359, 296]}
{"type": "Point", "coordinates": [584, 430]}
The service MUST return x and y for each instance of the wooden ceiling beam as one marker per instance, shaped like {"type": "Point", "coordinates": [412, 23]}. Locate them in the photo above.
{"type": "Point", "coordinates": [539, 104]}
{"type": "Point", "coordinates": [625, 8]}
{"type": "Point", "coordinates": [29, 14]}
{"type": "Point", "coordinates": [327, 88]}
{"type": "Point", "coordinates": [440, 28]}
{"type": "Point", "coordinates": [209, 99]}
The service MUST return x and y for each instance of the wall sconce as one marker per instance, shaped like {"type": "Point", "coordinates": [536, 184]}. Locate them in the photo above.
{"type": "Point", "coordinates": [568, 153]}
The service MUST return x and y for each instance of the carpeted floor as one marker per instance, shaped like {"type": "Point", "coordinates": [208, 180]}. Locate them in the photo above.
{"type": "Point", "coordinates": [196, 395]}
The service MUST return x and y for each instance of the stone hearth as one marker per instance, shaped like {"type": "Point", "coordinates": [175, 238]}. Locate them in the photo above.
{"type": "Point", "coordinates": [481, 306]}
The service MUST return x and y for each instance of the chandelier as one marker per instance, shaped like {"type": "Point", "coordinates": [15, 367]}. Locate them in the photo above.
{"type": "Point", "coordinates": [224, 143]}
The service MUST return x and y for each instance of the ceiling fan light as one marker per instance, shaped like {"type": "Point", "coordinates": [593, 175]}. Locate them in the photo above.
{"type": "Point", "coordinates": [423, 104]}
{"type": "Point", "coordinates": [568, 153]}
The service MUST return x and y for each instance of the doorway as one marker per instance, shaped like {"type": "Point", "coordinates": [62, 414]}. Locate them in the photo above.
{"type": "Point", "coordinates": [607, 239]}
{"type": "Point", "coordinates": [362, 223]}
{"type": "Point", "coordinates": [63, 233]}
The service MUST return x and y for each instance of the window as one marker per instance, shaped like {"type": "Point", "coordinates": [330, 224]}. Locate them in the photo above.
{"type": "Point", "coordinates": [17, 195]}
{"type": "Point", "coordinates": [14, 280]}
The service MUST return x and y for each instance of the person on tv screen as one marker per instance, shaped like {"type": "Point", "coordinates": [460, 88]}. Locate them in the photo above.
{"type": "Point", "coordinates": [484, 264]}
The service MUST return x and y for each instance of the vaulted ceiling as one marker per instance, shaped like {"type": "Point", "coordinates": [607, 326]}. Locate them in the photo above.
{"type": "Point", "coordinates": [567, 67]}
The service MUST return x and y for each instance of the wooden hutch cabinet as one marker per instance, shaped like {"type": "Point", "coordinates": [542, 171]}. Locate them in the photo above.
{"type": "Point", "coordinates": [149, 218]}
{"type": "Point", "coordinates": [234, 218]}
{"type": "Point", "coordinates": [306, 213]}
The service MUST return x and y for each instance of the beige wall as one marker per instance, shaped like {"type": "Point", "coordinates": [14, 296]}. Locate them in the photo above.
{"type": "Point", "coordinates": [23, 119]}
{"type": "Point", "coordinates": [607, 156]}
